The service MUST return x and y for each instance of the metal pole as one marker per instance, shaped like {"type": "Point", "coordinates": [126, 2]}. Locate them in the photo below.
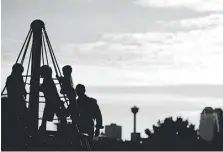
{"type": "Point", "coordinates": [36, 27]}
{"type": "Point", "coordinates": [134, 123]}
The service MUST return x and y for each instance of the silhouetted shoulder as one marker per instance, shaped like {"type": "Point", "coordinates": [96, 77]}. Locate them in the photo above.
{"type": "Point", "coordinates": [92, 100]}
{"type": "Point", "coordinates": [9, 78]}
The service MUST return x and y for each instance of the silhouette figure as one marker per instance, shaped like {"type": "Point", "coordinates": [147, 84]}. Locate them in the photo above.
{"type": "Point", "coordinates": [72, 112]}
{"type": "Point", "coordinates": [53, 103]}
{"type": "Point", "coordinates": [15, 104]}
{"type": "Point", "coordinates": [5, 123]}
{"type": "Point", "coordinates": [89, 112]}
{"type": "Point", "coordinates": [16, 91]}
{"type": "Point", "coordinates": [66, 81]}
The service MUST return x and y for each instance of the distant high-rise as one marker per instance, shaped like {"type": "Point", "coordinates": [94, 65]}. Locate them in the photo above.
{"type": "Point", "coordinates": [134, 111]}
{"type": "Point", "coordinates": [113, 131]}
{"type": "Point", "coordinates": [135, 137]}
{"type": "Point", "coordinates": [219, 114]}
{"type": "Point", "coordinates": [209, 123]}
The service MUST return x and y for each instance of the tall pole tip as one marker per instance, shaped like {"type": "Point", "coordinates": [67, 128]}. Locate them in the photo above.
{"type": "Point", "coordinates": [37, 25]}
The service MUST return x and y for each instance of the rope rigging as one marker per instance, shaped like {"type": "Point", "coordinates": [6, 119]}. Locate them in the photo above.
{"type": "Point", "coordinates": [23, 45]}
{"type": "Point", "coordinates": [44, 58]}
{"type": "Point", "coordinates": [46, 52]}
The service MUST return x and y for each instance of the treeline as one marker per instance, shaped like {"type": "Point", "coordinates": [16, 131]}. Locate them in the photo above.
{"type": "Point", "coordinates": [166, 135]}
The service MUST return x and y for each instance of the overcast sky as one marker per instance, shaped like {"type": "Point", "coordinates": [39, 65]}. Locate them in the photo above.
{"type": "Point", "coordinates": [167, 52]}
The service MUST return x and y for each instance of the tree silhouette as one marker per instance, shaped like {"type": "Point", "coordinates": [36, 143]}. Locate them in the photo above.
{"type": "Point", "coordinates": [148, 133]}
{"type": "Point", "coordinates": [172, 135]}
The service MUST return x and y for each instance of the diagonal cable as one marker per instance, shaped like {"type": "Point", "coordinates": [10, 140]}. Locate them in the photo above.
{"type": "Point", "coordinates": [27, 45]}
{"type": "Point", "coordinates": [44, 45]}
{"type": "Point", "coordinates": [23, 45]}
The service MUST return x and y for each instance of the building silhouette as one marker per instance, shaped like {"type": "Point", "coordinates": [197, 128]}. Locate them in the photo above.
{"type": "Point", "coordinates": [113, 131]}
{"type": "Point", "coordinates": [209, 124]}
{"type": "Point", "coordinates": [135, 137]}
{"type": "Point", "coordinates": [219, 115]}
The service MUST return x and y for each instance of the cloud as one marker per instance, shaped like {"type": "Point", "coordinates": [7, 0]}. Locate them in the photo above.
{"type": "Point", "coordinates": [8, 48]}
{"type": "Point", "coordinates": [192, 90]}
{"type": "Point", "coordinates": [193, 56]}
{"type": "Point", "coordinates": [180, 49]}
{"type": "Point", "coordinates": [100, 53]}
{"type": "Point", "coordinates": [125, 49]}
{"type": "Point", "coordinates": [157, 58]}
{"type": "Point", "coordinates": [198, 5]}
{"type": "Point", "coordinates": [210, 21]}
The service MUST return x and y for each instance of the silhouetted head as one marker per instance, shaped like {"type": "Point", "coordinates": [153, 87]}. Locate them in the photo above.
{"type": "Point", "coordinates": [80, 90]}
{"type": "Point", "coordinates": [67, 70]}
{"type": "Point", "coordinates": [17, 69]}
{"type": "Point", "coordinates": [45, 71]}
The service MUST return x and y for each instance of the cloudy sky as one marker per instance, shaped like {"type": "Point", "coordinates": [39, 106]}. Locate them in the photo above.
{"type": "Point", "coordinates": [163, 55]}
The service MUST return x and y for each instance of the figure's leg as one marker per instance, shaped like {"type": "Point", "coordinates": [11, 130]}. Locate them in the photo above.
{"type": "Point", "coordinates": [75, 130]}
{"type": "Point", "coordinates": [44, 118]}
{"type": "Point", "coordinates": [90, 140]}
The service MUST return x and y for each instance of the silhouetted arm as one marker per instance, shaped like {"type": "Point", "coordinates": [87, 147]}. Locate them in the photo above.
{"type": "Point", "coordinates": [60, 79]}
{"type": "Point", "coordinates": [98, 117]}
{"type": "Point", "coordinates": [8, 85]}
{"type": "Point", "coordinates": [69, 110]}
{"type": "Point", "coordinates": [24, 89]}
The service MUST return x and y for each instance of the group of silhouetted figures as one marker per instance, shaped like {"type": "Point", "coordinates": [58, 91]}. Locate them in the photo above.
{"type": "Point", "coordinates": [17, 133]}
{"type": "Point", "coordinates": [83, 110]}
